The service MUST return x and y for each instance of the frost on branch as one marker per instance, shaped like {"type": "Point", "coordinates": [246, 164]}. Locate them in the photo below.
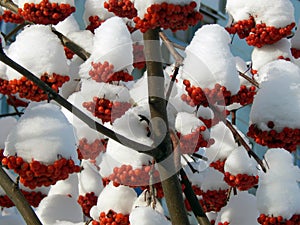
{"type": "Point", "coordinates": [46, 152]}
{"type": "Point", "coordinates": [278, 93]}
{"type": "Point", "coordinates": [281, 178]}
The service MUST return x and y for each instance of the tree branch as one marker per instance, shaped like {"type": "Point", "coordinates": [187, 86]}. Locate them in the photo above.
{"type": "Point", "coordinates": [254, 82]}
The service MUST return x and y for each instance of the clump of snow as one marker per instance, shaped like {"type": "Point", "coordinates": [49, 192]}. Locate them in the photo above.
{"type": "Point", "coordinates": [111, 42]}
{"type": "Point", "coordinates": [89, 179]}
{"type": "Point", "coordinates": [239, 162]}
{"type": "Point", "coordinates": [67, 187]}
{"type": "Point", "coordinates": [196, 178]}
{"type": "Point", "coordinates": [278, 193]}
{"type": "Point", "coordinates": [209, 62]}
{"type": "Point", "coordinates": [67, 25]}
{"type": "Point", "coordinates": [205, 112]}
{"type": "Point", "coordinates": [279, 91]}
{"type": "Point", "coordinates": [277, 13]}
{"type": "Point", "coordinates": [142, 201]}
{"type": "Point", "coordinates": [55, 208]}
{"type": "Point", "coordinates": [147, 216]}
{"type": "Point", "coordinates": [119, 199]}
{"type": "Point", "coordinates": [224, 143]}
{"type": "Point", "coordinates": [117, 155]}
{"type": "Point", "coordinates": [213, 180]}
{"type": "Point", "coordinates": [6, 124]}
{"type": "Point", "coordinates": [30, 51]}
{"type": "Point", "coordinates": [22, 2]}
{"type": "Point", "coordinates": [43, 133]}
{"type": "Point", "coordinates": [142, 5]}
{"type": "Point", "coordinates": [240, 209]}
{"type": "Point", "coordinates": [267, 53]}
{"type": "Point", "coordinates": [95, 8]}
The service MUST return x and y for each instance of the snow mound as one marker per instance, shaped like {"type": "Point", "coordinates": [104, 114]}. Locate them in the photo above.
{"type": "Point", "coordinates": [147, 216]}
{"type": "Point", "coordinates": [6, 124]}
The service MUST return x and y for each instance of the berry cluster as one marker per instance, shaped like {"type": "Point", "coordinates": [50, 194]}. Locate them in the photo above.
{"type": "Point", "coordinates": [94, 22]}
{"type": "Point", "coordinates": [295, 52]}
{"type": "Point", "coordinates": [112, 218]}
{"type": "Point", "coordinates": [105, 73]}
{"type": "Point", "coordinates": [32, 197]}
{"type": "Point", "coordinates": [138, 56]}
{"type": "Point", "coordinates": [241, 181]}
{"type": "Point", "coordinates": [121, 8]}
{"type": "Point", "coordinates": [168, 16]}
{"type": "Point", "coordinates": [10, 17]}
{"type": "Point", "coordinates": [197, 192]}
{"type": "Point", "coordinates": [288, 138]}
{"type": "Point", "coordinates": [128, 176]}
{"type": "Point", "coordinates": [46, 12]}
{"type": "Point", "coordinates": [87, 150]}
{"type": "Point", "coordinates": [271, 220]}
{"type": "Point", "coordinates": [68, 52]}
{"type": "Point", "coordinates": [87, 201]}
{"type": "Point", "coordinates": [262, 34]}
{"type": "Point", "coordinates": [218, 165]}
{"type": "Point", "coordinates": [242, 27]}
{"type": "Point", "coordinates": [14, 101]}
{"type": "Point", "coordinates": [106, 110]}
{"type": "Point", "coordinates": [225, 223]}
{"type": "Point", "coordinates": [29, 90]}
{"type": "Point", "coordinates": [198, 96]}
{"type": "Point", "coordinates": [244, 96]}
{"type": "Point", "coordinates": [190, 143]}
{"type": "Point", "coordinates": [35, 174]}
{"type": "Point", "coordinates": [213, 200]}
{"type": "Point", "coordinates": [4, 86]}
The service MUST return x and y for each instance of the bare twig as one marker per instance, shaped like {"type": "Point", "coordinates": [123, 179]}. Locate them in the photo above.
{"type": "Point", "coordinates": [11, 114]}
{"type": "Point", "coordinates": [254, 82]}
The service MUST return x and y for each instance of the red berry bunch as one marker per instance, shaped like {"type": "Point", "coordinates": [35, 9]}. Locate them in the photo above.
{"type": "Point", "coordinates": [241, 181]}
{"type": "Point", "coordinates": [106, 110]}
{"type": "Point", "coordinates": [295, 52]}
{"type": "Point", "coordinates": [87, 150]}
{"type": "Point", "coordinates": [94, 22]}
{"type": "Point", "coordinates": [244, 96]}
{"type": "Point", "coordinates": [218, 165]}
{"type": "Point", "coordinates": [288, 138]}
{"type": "Point", "coordinates": [225, 223]}
{"type": "Point", "coordinates": [168, 16]}
{"type": "Point", "coordinates": [112, 218]}
{"type": "Point", "coordinates": [139, 60]}
{"type": "Point", "coordinates": [271, 220]}
{"type": "Point", "coordinates": [262, 34]}
{"type": "Point", "coordinates": [32, 197]}
{"type": "Point", "coordinates": [105, 73]}
{"type": "Point", "coordinates": [1, 154]}
{"type": "Point", "coordinates": [68, 52]}
{"type": "Point", "coordinates": [14, 101]}
{"type": "Point", "coordinates": [128, 176]}
{"type": "Point", "coordinates": [87, 201]}
{"type": "Point", "coordinates": [46, 12]}
{"type": "Point", "coordinates": [197, 192]}
{"type": "Point", "coordinates": [121, 8]}
{"type": "Point", "coordinates": [190, 143]}
{"type": "Point", "coordinates": [198, 96]}
{"type": "Point", "coordinates": [35, 174]}
{"type": "Point", "coordinates": [29, 90]}
{"type": "Point", "coordinates": [213, 200]}
{"type": "Point", "coordinates": [4, 86]}
{"type": "Point", "coordinates": [242, 27]}
{"type": "Point", "coordinates": [10, 17]}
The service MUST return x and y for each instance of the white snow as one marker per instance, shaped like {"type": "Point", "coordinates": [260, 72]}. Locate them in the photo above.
{"type": "Point", "coordinates": [187, 123]}
{"type": "Point", "coordinates": [278, 13]}
{"type": "Point", "coordinates": [67, 25]}
{"type": "Point", "coordinates": [280, 178]}
{"type": "Point", "coordinates": [55, 208]}
{"type": "Point", "coordinates": [6, 124]}
{"type": "Point", "coordinates": [239, 162]}
{"type": "Point", "coordinates": [209, 60]}
{"type": "Point", "coordinates": [89, 179]}
{"type": "Point", "coordinates": [43, 133]}
{"type": "Point", "coordinates": [240, 209]}
{"type": "Point", "coordinates": [95, 8]}
{"type": "Point", "coordinates": [68, 186]}
{"type": "Point", "coordinates": [142, 5]}
{"type": "Point", "coordinates": [30, 51]}
{"type": "Point", "coordinates": [119, 199]}
{"type": "Point", "coordinates": [213, 180]}
{"type": "Point", "coordinates": [112, 41]}
{"type": "Point", "coordinates": [279, 90]}
{"type": "Point", "coordinates": [197, 177]}
{"type": "Point", "coordinates": [147, 216]}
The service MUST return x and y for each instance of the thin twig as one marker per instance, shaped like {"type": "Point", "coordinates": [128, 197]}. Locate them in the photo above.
{"type": "Point", "coordinates": [11, 114]}
{"type": "Point", "coordinates": [14, 106]}
{"type": "Point", "coordinates": [173, 80]}
{"type": "Point", "coordinates": [254, 82]}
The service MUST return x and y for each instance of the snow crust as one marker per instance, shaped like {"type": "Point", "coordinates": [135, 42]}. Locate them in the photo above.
{"type": "Point", "coordinates": [209, 60]}
{"type": "Point", "coordinates": [67, 187]}
{"type": "Point", "coordinates": [240, 209]}
{"type": "Point", "coordinates": [30, 51]}
{"type": "Point", "coordinates": [277, 13]}
{"type": "Point", "coordinates": [280, 178]}
{"type": "Point", "coordinates": [95, 8]}
{"type": "Point", "coordinates": [6, 124]}
{"type": "Point", "coordinates": [147, 216]}
{"type": "Point", "coordinates": [239, 162]}
{"type": "Point", "coordinates": [43, 133]}
{"type": "Point", "coordinates": [279, 90]}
